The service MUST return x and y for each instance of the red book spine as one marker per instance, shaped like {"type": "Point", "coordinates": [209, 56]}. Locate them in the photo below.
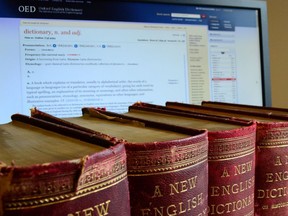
{"type": "Point", "coordinates": [232, 171]}
{"type": "Point", "coordinates": [272, 169]}
{"type": "Point", "coordinates": [169, 178]}
{"type": "Point", "coordinates": [165, 178]}
{"type": "Point", "coordinates": [94, 185]}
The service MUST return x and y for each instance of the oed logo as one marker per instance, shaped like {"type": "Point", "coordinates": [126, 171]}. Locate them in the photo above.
{"type": "Point", "coordinates": [26, 9]}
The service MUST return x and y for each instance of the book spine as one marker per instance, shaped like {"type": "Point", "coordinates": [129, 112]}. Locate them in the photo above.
{"type": "Point", "coordinates": [165, 178]}
{"type": "Point", "coordinates": [232, 171]}
{"type": "Point", "coordinates": [271, 175]}
{"type": "Point", "coordinates": [169, 178]}
{"type": "Point", "coordinates": [94, 185]}
{"type": "Point", "coordinates": [272, 169]}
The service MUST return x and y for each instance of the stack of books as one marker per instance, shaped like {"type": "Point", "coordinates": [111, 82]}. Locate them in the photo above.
{"type": "Point", "coordinates": [177, 159]}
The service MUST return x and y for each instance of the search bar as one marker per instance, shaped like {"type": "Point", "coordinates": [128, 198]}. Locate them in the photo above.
{"type": "Point", "coordinates": [184, 15]}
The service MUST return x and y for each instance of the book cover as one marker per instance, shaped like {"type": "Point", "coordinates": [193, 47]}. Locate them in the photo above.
{"type": "Point", "coordinates": [231, 156]}
{"type": "Point", "coordinates": [271, 152]}
{"type": "Point", "coordinates": [167, 165]}
{"type": "Point", "coordinates": [46, 173]}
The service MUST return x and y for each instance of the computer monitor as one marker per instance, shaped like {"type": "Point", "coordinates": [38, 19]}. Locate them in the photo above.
{"type": "Point", "coordinates": [62, 55]}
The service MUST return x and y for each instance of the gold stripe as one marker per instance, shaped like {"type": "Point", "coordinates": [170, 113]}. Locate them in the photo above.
{"type": "Point", "coordinates": [170, 167]}
{"type": "Point", "coordinates": [165, 159]}
{"type": "Point", "coordinates": [233, 139]}
{"type": "Point", "coordinates": [65, 183]}
{"type": "Point", "coordinates": [273, 146]}
{"type": "Point", "coordinates": [167, 172]}
{"type": "Point", "coordinates": [232, 156]}
{"type": "Point", "coordinates": [91, 170]}
{"type": "Point", "coordinates": [271, 135]}
{"type": "Point", "coordinates": [36, 203]}
{"type": "Point", "coordinates": [232, 146]}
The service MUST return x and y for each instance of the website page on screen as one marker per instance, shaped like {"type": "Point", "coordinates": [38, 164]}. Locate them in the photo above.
{"type": "Point", "coordinates": [176, 53]}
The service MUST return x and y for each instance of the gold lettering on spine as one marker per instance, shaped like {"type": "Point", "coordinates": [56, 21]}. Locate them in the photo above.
{"type": "Point", "coordinates": [176, 208]}
{"type": "Point", "coordinates": [101, 209]}
{"type": "Point", "coordinates": [239, 169]}
{"type": "Point", "coordinates": [225, 173]}
{"type": "Point", "coordinates": [157, 192]}
{"type": "Point", "coordinates": [272, 193]}
{"type": "Point", "coordinates": [281, 160]}
{"type": "Point", "coordinates": [233, 189]}
{"type": "Point", "coordinates": [243, 168]}
{"type": "Point", "coordinates": [236, 188]}
{"type": "Point", "coordinates": [88, 211]}
{"type": "Point", "coordinates": [280, 177]}
{"type": "Point", "coordinates": [230, 207]}
{"type": "Point", "coordinates": [182, 207]}
{"type": "Point", "coordinates": [171, 210]}
{"type": "Point", "coordinates": [278, 161]}
{"type": "Point", "coordinates": [183, 186]}
{"type": "Point", "coordinates": [276, 177]}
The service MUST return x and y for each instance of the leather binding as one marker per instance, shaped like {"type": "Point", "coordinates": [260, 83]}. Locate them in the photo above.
{"type": "Point", "coordinates": [231, 157]}
{"type": "Point", "coordinates": [271, 195]}
{"type": "Point", "coordinates": [52, 174]}
{"type": "Point", "coordinates": [167, 164]}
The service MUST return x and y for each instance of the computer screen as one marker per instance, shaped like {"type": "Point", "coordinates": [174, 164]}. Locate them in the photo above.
{"type": "Point", "coordinates": [62, 55]}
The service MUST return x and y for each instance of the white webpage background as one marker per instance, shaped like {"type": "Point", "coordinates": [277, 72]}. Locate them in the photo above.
{"type": "Point", "coordinates": [89, 66]}
{"type": "Point", "coordinates": [10, 82]}
{"type": "Point", "coordinates": [64, 68]}
{"type": "Point", "coordinates": [248, 66]}
{"type": "Point", "coordinates": [237, 56]}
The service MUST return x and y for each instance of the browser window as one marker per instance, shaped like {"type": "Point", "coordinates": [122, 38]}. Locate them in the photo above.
{"type": "Point", "coordinates": [113, 57]}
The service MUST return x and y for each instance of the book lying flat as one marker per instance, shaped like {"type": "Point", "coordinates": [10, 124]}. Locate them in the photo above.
{"type": "Point", "coordinates": [43, 172]}
{"type": "Point", "coordinates": [231, 155]}
{"type": "Point", "coordinates": [271, 195]}
{"type": "Point", "coordinates": [167, 165]}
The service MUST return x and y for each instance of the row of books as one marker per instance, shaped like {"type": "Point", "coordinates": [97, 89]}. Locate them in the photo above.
{"type": "Point", "coordinates": [177, 159]}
